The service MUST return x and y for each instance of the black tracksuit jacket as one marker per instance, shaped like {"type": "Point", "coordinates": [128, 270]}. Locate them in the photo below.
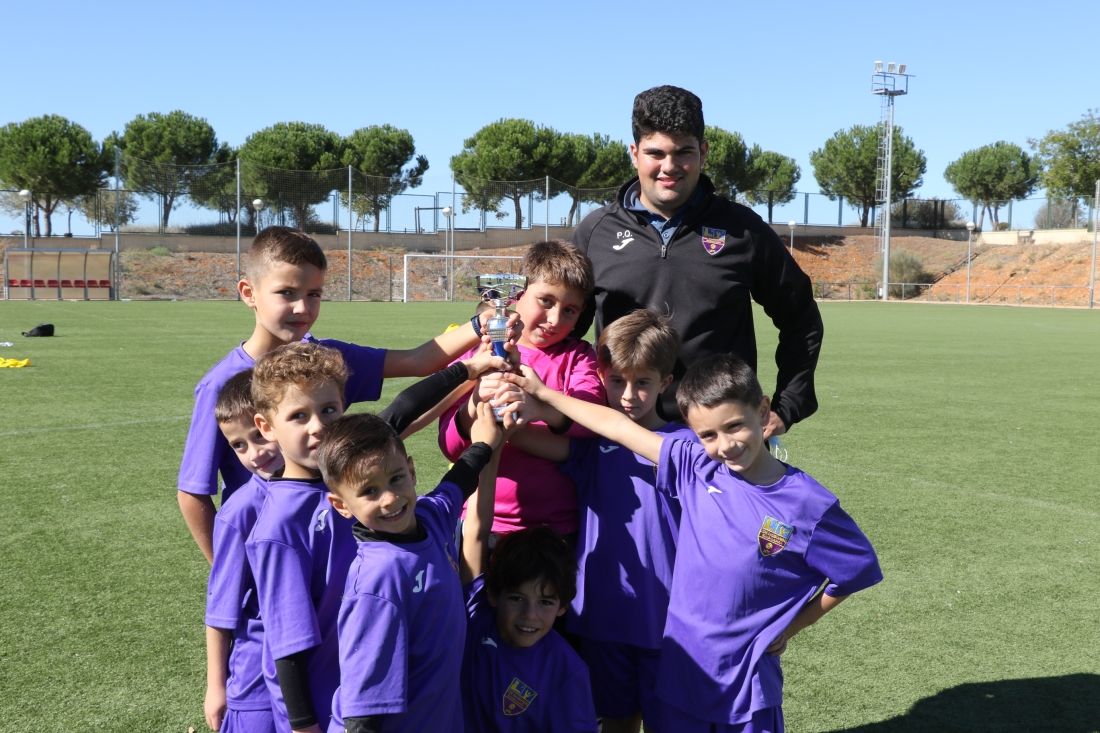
{"type": "Point", "coordinates": [708, 296]}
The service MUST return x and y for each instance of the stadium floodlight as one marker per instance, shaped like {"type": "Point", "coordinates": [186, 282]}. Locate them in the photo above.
{"type": "Point", "coordinates": [25, 196]}
{"type": "Point", "coordinates": [878, 67]}
{"type": "Point", "coordinates": [970, 227]}
{"type": "Point", "coordinates": [901, 68]}
{"type": "Point", "coordinates": [792, 224]}
{"type": "Point", "coordinates": [890, 68]}
{"type": "Point", "coordinates": [258, 206]}
{"type": "Point", "coordinates": [888, 85]}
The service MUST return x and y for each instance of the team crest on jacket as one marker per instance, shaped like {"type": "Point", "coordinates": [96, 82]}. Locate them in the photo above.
{"type": "Point", "coordinates": [713, 240]}
{"type": "Point", "coordinates": [517, 697]}
{"type": "Point", "coordinates": [773, 536]}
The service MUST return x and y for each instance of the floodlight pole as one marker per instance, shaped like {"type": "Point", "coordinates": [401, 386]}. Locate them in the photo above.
{"type": "Point", "coordinates": [118, 226]}
{"type": "Point", "coordinates": [888, 84]}
{"type": "Point", "coordinates": [886, 206]}
{"type": "Point", "coordinates": [451, 264]}
{"type": "Point", "coordinates": [349, 233]}
{"type": "Point", "coordinates": [238, 226]}
{"type": "Point", "coordinates": [546, 230]}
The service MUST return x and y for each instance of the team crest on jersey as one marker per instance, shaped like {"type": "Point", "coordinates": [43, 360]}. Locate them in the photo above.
{"type": "Point", "coordinates": [517, 697]}
{"type": "Point", "coordinates": [713, 240]}
{"type": "Point", "coordinates": [773, 536]}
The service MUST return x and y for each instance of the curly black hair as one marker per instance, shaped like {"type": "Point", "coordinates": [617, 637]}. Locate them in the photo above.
{"type": "Point", "coordinates": [667, 109]}
{"type": "Point", "coordinates": [535, 553]}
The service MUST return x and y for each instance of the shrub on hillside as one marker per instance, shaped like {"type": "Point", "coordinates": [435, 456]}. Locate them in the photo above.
{"type": "Point", "coordinates": [907, 268]}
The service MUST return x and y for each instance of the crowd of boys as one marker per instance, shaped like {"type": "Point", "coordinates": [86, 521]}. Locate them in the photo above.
{"type": "Point", "coordinates": [583, 563]}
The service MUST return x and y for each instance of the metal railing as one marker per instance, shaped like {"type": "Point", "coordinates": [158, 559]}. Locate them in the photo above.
{"type": "Point", "coordinates": [1052, 296]}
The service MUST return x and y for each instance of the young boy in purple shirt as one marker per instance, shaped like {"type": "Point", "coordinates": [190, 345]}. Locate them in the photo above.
{"type": "Point", "coordinates": [758, 540]}
{"type": "Point", "coordinates": [237, 700]}
{"type": "Point", "coordinates": [282, 285]}
{"type": "Point", "coordinates": [518, 674]}
{"type": "Point", "coordinates": [627, 544]}
{"type": "Point", "coordinates": [401, 622]}
{"type": "Point", "coordinates": [300, 549]}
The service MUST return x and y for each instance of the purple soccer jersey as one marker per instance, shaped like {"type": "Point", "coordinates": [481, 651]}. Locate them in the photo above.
{"type": "Point", "coordinates": [207, 453]}
{"type": "Point", "coordinates": [402, 626]}
{"type": "Point", "coordinates": [300, 551]}
{"type": "Point", "coordinates": [536, 690]}
{"type": "Point", "coordinates": [627, 544]}
{"type": "Point", "coordinates": [231, 598]}
{"type": "Point", "coordinates": [748, 560]}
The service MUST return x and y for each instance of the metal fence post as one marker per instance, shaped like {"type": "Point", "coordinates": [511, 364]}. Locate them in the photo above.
{"type": "Point", "coordinates": [806, 212]}
{"type": "Point", "coordinates": [349, 233]}
{"type": "Point", "coordinates": [1010, 214]}
{"type": "Point", "coordinates": [1095, 228]}
{"type": "Point", "coordinates": [405, 280]}
{"type": "Point", "coordinates": [238, 226]}
{"type": "Point", "coordinates": [451, 262]}
{"type": "Point", "coordinates": [840, 213]}
{"type": "Point", "coordinates": [118, 255]}
{"type": "Point", "coordinates": [546, 230]}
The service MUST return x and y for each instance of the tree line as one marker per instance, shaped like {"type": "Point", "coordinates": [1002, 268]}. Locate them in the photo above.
{"type": "Point", "coordinates": [64, 167]}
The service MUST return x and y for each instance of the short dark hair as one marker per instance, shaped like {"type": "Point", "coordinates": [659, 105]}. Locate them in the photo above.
{"type": "Point", "coordinates": [352, 445]}
{"type": "Point", "coordinates": [639, 341]}
{"type": "Point", "coordinates": [235, 398]}
{"type": "Point", "coordinates": [718, 378]}
{"type": "Point", "coordinates": [282, 244]}
{"type": "Point", "coordinates": [559, 263]}
{"type": "Point", "coordinates": [535, 553]}
{"type": "Point", "coordinates": [304, 365]}
{"type": "Point", "coordinates": [667, 109]}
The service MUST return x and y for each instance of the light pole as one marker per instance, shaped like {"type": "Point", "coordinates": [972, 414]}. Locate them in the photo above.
{"type": "Point", "coordinates": [893, 82]}
{"type": "Point", "coordinates": [26, 197]}
{"type": "Point", "coordinates": [258, 206]}
{"type": "Point", "coordinates": [448, 212]}
{"type": "Point", "coordinates": [969, 240]}
{"type": "Point", "coordinates": [792, 224]}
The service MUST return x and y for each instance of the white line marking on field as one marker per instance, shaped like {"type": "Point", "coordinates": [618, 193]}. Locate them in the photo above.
{"type": "Point", "coordinates": [95, 425]}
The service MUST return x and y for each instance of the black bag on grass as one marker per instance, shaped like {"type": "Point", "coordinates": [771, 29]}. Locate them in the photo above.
{"type": "Point", "coordinates": [42, 329]}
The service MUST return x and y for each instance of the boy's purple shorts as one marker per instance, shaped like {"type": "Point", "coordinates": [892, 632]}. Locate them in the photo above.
{"type": "Point", "coordinates": [248, 721]}
{"type": "Point", "coordinates": [624, 681]}
{"type": "Point", "coordinates": [768, 720]}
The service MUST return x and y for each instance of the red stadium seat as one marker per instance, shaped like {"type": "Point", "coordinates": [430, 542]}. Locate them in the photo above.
{"type": "Point", "coordinates": [104, 283]}
{"type": "Point", "coordinates": [24, 283]}
{"type": "Point", "coordinates": [66, 283]}
{"type": "Point", "coordinates": [13, 283]}
{"type": "Point", "coordinates": [93, 283]}
{"type": "Point", "coordinates": [51, 284]}
{"type": "Point", "coordinates": [40, 283]}
{"type": "Point", "coordinates": [78, 283]}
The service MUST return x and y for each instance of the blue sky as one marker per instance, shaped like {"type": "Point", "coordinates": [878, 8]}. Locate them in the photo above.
{"type": "Point", "coordinates": [785, 75]}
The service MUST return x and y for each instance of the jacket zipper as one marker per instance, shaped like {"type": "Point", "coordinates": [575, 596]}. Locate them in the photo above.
{"type": "Point", "coordinates": [664, 244]}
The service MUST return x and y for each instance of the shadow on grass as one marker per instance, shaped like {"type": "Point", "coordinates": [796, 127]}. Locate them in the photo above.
{"type": "Point", "coordinates": [1068, 704]}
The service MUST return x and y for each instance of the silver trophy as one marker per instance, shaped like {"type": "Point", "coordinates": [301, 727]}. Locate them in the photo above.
{"type": "Point", "coordinates": [500, 291]}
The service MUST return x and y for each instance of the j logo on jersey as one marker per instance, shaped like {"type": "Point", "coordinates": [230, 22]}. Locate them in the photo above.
{"type": "Point", "coordinates": [517, 697]}
{"type": "Point", "coordinates": [773, 536]}
{"type": "Point", "coordinates": [713, 240]}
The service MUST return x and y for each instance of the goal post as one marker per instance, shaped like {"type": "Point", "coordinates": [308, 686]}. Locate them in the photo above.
{"type": "Point", "coordinates": [432, 280]}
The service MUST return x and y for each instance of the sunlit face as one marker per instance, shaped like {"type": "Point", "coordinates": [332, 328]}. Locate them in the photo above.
{"type": "Point", "coordinates": [287, 299]}
{"type": "Point", "coordinates": [548, 312]}
{"type": "Point", "coordinates": [526, 614]}
{"type": "Point", "coordinates": [634, 393]}
{"type": "Point", "coordinates": [668, 169]}
{"type": "Point", "coordinates": [383, 497]}
{"type": "Point", "coordinates": [299, 422]}
{"type": "Point", "coordinates": [733, 433]}
{"type": "Point", "coordinates": [258, 454]}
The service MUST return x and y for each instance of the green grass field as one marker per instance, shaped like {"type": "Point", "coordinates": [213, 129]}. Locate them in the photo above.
{"type": "Point", "coordinates": [963, 440]}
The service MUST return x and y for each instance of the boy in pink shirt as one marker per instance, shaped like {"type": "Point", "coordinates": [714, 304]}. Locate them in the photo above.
{"type": "Point", "coordinates": [532, 491]}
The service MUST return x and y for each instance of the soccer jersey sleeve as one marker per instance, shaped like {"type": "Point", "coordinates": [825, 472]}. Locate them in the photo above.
{"type": "Point", "coordinates": [283, 581]}
{"type": "Point", "coordinates": [374, 656]}
{"type": "Point", "coordinates": [677, 465]}
{"type": "Point", "coordinates": [202, 452]}
{"type": "Point", "coordinates": [840, 551]}
{"type": "Point", "coordinates": [228, 577]}
{"type": "Point", "coordinates": [365, 364]}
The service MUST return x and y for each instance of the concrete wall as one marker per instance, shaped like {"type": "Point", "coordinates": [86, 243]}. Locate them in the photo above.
{"type": "Point", "coordinates": [1039, 236]}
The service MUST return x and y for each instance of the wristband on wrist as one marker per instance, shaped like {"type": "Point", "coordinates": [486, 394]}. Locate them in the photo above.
{"type": "Point", "coordinates": [476, 323]}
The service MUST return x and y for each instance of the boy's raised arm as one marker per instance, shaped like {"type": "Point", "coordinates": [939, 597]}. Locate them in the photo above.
{"type": "Point", "coordinates": [597, 418]}
{"type": "Point", "coordinates": [433, 355]}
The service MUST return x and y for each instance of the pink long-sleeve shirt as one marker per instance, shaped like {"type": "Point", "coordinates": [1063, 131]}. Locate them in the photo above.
{"type": "Point", "coordinates": [533, 491]}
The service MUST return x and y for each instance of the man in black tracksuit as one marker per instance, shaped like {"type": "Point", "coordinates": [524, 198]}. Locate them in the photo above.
{"type": "Point", "coordinates": [671, 244]}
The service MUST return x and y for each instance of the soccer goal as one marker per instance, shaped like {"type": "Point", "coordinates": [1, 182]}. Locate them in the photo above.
{"type": "Point", "coordinates": [450, 277]}
{"type": "Point", "coordinates": [59, 274]}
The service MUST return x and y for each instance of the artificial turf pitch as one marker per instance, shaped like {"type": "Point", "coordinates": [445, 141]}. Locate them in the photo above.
{"type": "Point", "coordinates": [963, 440]}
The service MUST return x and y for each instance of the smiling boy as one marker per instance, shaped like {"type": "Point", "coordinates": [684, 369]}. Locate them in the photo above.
{"type": "Point", "coordinates": [758, 541]}
{"type": "Point", "coordinates": [532, 491]}
{"type": "Point", "coordinates": [401, 621]}
{"type": "Point", "coordinates": [283, 286]}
